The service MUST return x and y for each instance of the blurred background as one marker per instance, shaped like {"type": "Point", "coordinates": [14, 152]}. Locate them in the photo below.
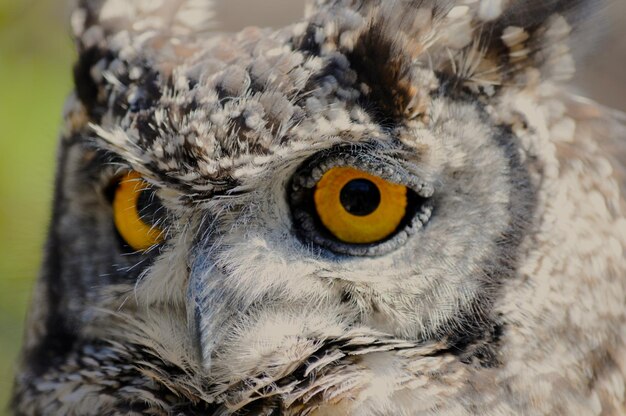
{"type": "Point", "coordinates": [35, 76]}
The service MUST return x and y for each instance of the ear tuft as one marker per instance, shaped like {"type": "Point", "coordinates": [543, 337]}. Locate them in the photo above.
{"type": "Point", "coordinates": [177, 18]}
{"type": "Point", "coordinates": [124, 42]}
{"type": "Point", "coordinates": [478, 45]}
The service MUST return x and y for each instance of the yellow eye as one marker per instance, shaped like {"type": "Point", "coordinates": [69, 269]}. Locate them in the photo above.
{"type": "Point", "coordinates": [359, 208]}
{"type": "Point", "coordinates": [132, 205]}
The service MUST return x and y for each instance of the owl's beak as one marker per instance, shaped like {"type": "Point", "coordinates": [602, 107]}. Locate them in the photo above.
{"type": "Point", "coordinates": [210, 309]}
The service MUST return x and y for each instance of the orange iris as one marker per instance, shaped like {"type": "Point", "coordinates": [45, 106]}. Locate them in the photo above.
{"type": "Point", "coordinates": [357, 207]}
{"type": "Point", "coordinates": [136, 232]}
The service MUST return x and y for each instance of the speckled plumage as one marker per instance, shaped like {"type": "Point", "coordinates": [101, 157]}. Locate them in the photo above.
{"type": "Point", "coordinates": [507, 295]}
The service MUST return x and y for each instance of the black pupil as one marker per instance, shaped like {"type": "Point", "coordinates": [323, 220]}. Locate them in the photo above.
{"type": "Point", "coordinates": [360, 197]}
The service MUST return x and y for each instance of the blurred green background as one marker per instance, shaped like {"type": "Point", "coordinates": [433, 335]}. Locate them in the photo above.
{"type": "Point", "coordinates": [35, 76]}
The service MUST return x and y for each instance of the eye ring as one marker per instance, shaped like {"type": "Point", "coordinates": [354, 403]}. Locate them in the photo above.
{"type": "Point", "coordinates": [128, 216]}
{"type": "Point", "coordinates": [312, 229]}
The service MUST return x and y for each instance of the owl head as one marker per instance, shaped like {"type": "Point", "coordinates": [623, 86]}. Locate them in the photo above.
{"type": "Point", "coordinates": [385, 208]}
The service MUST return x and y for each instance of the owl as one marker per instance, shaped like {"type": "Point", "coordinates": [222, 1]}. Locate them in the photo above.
{"type": "Point", "coordinates": [387, 208]}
